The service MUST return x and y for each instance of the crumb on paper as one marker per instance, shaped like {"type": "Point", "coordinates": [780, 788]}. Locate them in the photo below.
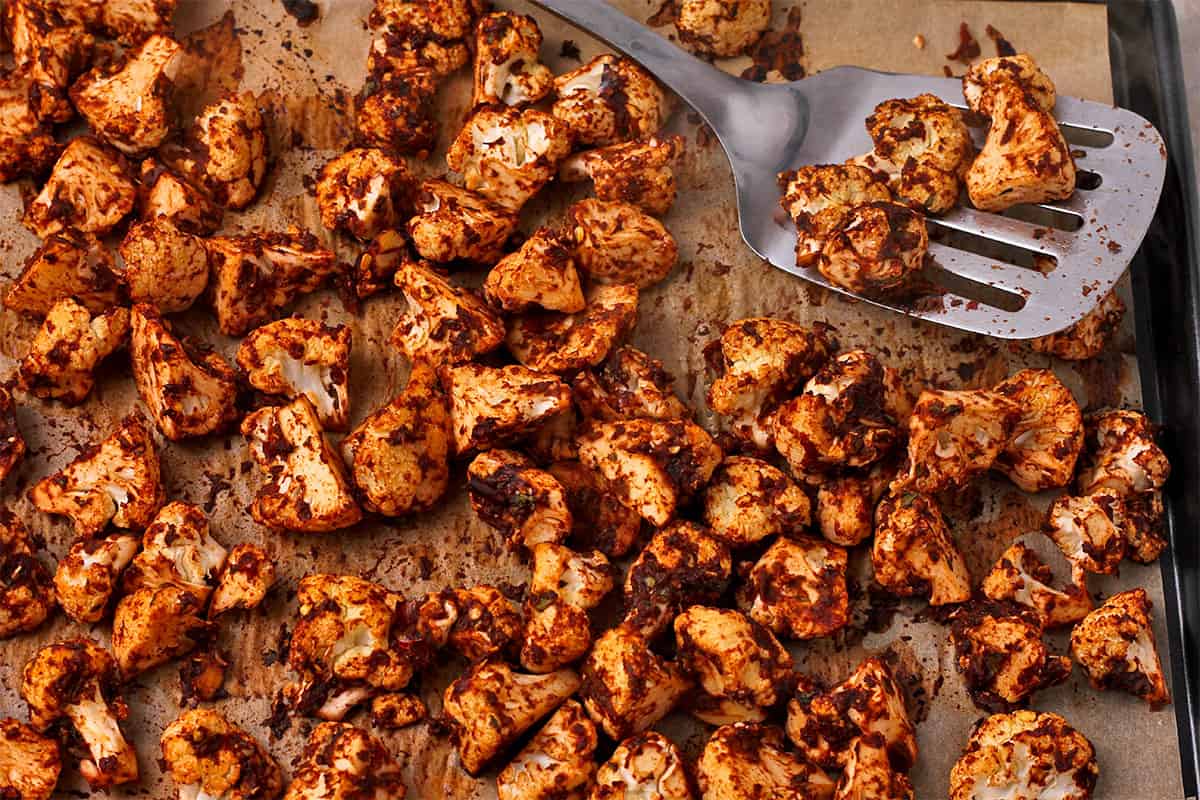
{"type": "Point", "coordinates": [919, 42]}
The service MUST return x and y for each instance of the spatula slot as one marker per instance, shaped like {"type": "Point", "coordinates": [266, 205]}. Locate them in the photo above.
{"type": "Point", "coordinates": [1085, 137]}
{"type": "Point", "coordinates": [975, 292]}
{"type": "Point", "coordinates": [1046, 216]}
{"type": "Point", "coordinates": [1088, 181]}
{"type": "Point", "coordinates": [990, 248]}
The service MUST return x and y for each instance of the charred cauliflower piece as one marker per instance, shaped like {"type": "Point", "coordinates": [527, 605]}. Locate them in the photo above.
{"type": "Point", "coordinates": [1025, 158]}
{"type": "Point", "coordinates": [638, 172]}
{"type": "Point", "coordinates": [631, 385]}
{"type": "Point", "coordinates": [395, 110]}
{"type": "Point", "coordinates": [798, 588]}
{"type": "Point", "coordinates": [1089, 530]}
{"type": "Point", "coordinates": [246, 577]}
{"type": "Point", "coordinates": [164, 266]}
{"type": "Point", "coordinates": [1001, 656]}
{"type": "Point", "coordinates": [342, 762]}
{"type": "Point", "coordinates": [89, 573]}
{"type": "Point", "coordinates": [1087, 337]}
{"type": "Point", "coordinates": [481, 621]}
{"type": "Point", "coordinates": [506, 155]}
{"type": "Point", "coordinates": [452, 223]}
{"type": "Point", "coordinates": [162, 193]}
{"type": "Point", "coordinates": [956, 436]}
{"type": "Point", "coordinates": [846, 505]}
{"type": "Point", "coordinates": [565, 586]}
{"type": "Point", "coordinates": [363, 192]}
{"type": "Point", "coordinates": [76, 680]}
{"type": "Point", "coordinates": [89, 191]}
{"type": "Point", "coordinates": [66, 265]}
{"type": "Point", "coordinates": [877, 250]}
{"type": "Point", "coordinates": [114, 482]}
{"type": "Point", "coordinates": [126, 102]}
{"type": "Point", "coordinates": [12, 443]}
{"type": "Point", "coordinates": [869, 776]}
{"type": "Point", "coordinates": [399, 456]}
{"type": "Point", "coordinates": [1021, 577]}
{"type": "Point", "coordinates": [26, 593]}
{"type": "Point", "coordinates": [600, 520]}
{"type": "Point", "coordinates": [616, 242]}
{"type": "Point", "coordinates": [914, 553]}
{"type": "Point", "coordinates": [553, 342]}
{"type": "Point", "coordinates": [541, 273]}
{"type": "Point", "coordinates": [307, 488]}
{"type": "Point", "coordinates": [507, 68]}
{"type": "Point", "coordinates": [153, 625]}
{"type": "Point", "coordinates": [257, 275]}
{"type": "Point", "coordinates": [188, 389]}
{"type": "Point", "coordinates": [397, 710]}
{"type": "Point", "coordinates": [207, 756]}
{"type": "Point", "coordinates": [438, 20]}
{"type": "Point", "coordinates": [682, 565]}
{"type": "Point", "coordinates": [1115, 646]}
{"type": "Point", "coordinates": [376, 265]}
{"type": "Point", "coordinates": [819, 198]}
{"type": "Point", "coordinates": [493, 405]}
{"type": "Point", "coordinates": [68, 348]}
{"type": "Point", "coordinates": [293, 357]}
{"type": "Point", "coordinates": [1144, 527]}
{"type": "Point", "coordinates": [749, 500]}
{"type": "Point", "coordinates": [1025, 754]}
{"type": "Point", "coordinates": [651, 465]}
{"type": "Point", "coordinates": [643, 767]}
{"type": "Point", "coordinates": [50, 49]}
{"type": "Point", "coordinates": [626, 687]}
{"type": "Point", "coordinates": [1048, 436]}
{"type": "Point", "coordinates": [556, 763]}
{"type": "Point", "coordinates": [443, 322]}
{"type": "Point", "coordinates": [29, 762]}
{"type": "Point", "coordinates": [225, 151]}
{"type": "Point", "coordinates": [178, 550]}
{"type": "Point", "coordinates": [27, 144]}
{"type": "Point", "coordinates": [1120, 453]}
{"type": "Point", "coordinates": [748, 761]}
{"type": "Point", "coordinates": [609, 100]}
{"type": "Point", "coordinates": [490, 706]}
{"type": "Point", "coordinates": [524, 503]}
{"type": "Point", "coordinates": [722, 28]}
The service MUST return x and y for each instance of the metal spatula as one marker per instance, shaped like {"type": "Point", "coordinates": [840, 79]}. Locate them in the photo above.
{"type": "Point", "coordinates": [984, 261]}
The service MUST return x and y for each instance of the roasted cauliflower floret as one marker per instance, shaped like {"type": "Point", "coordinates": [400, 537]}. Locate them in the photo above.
{"type": "Point", "coordinates": [1120, 453]}
{"type": "Point", "coordinates": [256, 275]}
{"type": "Point", "coordinates": [1021, 577]}
{"type": "Point", "coordinates": [552, 342]}
{"type": "Point", "coordinates": [914, 553]}
{"type": "Point", "coordinates": [225, 151]}
{"type": "Point", "coordinates": [626, 687]}
{"type": "Point", "coordinates": [877, 250]}
{"type": "Point", "coordinates": [564, 587]}
{"type": "Point", "coordinates": [452, 223]}
{"type": "Point", "coordinates": [178, 550]}
{"type": "Point", "coordinates": [651, 465]}
{"type": "Point", "coordinates": [51, 50]}
{"type": "Point", "coordinates": [26, 593]}
{"type": "Point", "coordinates": [164, 266]}
{"type": "Point", "coordinates": [631, 385]}
{"type": "Point", "coordinates": [609, 100]}
{"type": "Point", "coordinates": [88, 575]}
{"type": "Point", "coordinates": [638, 172]}
{"type": "Point", "coordinates": [647, 766]}
{"type": "Point", "coordinates": [126, 102]}
{"type": "Point", "coordinates": [1087, 337]}
{"type": "Point", "coordinates": [29, 762]}
{"type": "Point", "coordinates": [1144, 528]}
{"type": "Point", "coordinates": [541, 273]}
{"type": "Point", "coordinates": [478, 622]}
{"type": "Point", "coordinates": [153, 625]}
{"type": "Point", "coordinates": [1025, 158]}
{"type": "Point", "coordinates": [116, 481]}
{"type": "Point", "coordinates": [246, 576]}
{"type": "Point", "coordinates": [524, 503]}
{"type": "Point", "coordinates": [77, 680]}
{"type": "Point", "coordinates": [819, 198]}
{"type": "Point", "coordinates": [556, 763]}
{"type": "Point", "coordinates": [397, 710]}
{"type": "Point", "coordinates": [616, 242]}
{"type": "Point", "coordinates": [868, 775]}
{"type": "Point", "coordinates": [89, 191]}
{"type": "Point", "coordinates": [27, 144]}
{"type": "Point", "coordinates": [1025, 754]}
{"type": "Point", "coordinates": [12, 443]}
{"type": "Point", "coordinates": [376, 265]}
{"type": "Point", "coordinates": [188, 389]}
{"type": "Point", "coordinates": [490, 706]}
{"type": "Point", "coordinates": [66, 265]}
{"type": "Point", "coordinates": [507, 68]}
{"type": "Point", "coordinates": [493, 405]}
{"type": "Point", "coordinates": [293, 357]}
{"type": "Point", "coordinates": [395, 109]}
{"type": "Point", "coordinates": [600, 520]}
{"type": "Point", "coordinates": [68, 348]}
{"type": "Point", "coordinates": [1115, 646]}
{"type": "Point", "coordinates": [1089, 530]}
{"type": "Point", "coordinates": [748, 761]}
{"type": "Point", "coordinates": [1001, 656]}
{"type": "Point", "coordinates": [846, 505]}
{"type": "Point", "coordinates": [307, 488]}
{"type": "Point", "coordinates": [956, 436]}
{"type": "Point", "coordinates": [207, 756]}
{"type": "Point", "coordinates": [721, 28]}
{"type": "Point", "coordinates": [749, 500]}
{"type": "Point", "coordinates": [798, 588]}
{"type": "Point", "coordinates": [1048, 436]}
{"type": "Point", "coordinates": [682, 565]}
{"type": "Point", "coordinates": [506, 155]}
{"type": "Point", "coordinates": [342, 762]}
{"type": "Point", "coordinates": [363, 192]}
{"type": "Point", "coordinates": [438, 20]}
{"type": "Point", "coordinates": [162, 193]}
{"type": "Point", "coordinates": [443, 322]}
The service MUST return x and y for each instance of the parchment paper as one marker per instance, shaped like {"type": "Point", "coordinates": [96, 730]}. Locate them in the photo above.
{"type": "Point", "coordinates": [307, 76]}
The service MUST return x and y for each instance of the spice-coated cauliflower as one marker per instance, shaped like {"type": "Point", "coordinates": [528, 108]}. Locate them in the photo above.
{"type": "Point", "coordinates": [798, 588]}
{"type": "Point", "coordinates": [748, 500]}
{"type": "Point", "coordinates": [153, 625]}
{"type": "Point", "coordinates": [630, 385]}
{"type": "Point", "coordinates": [442, 322]}
{"type": "Point", "coordinates": [88, 575]}
{"type": "Point", "coordinates": [395, 110]}
{"type": "Point", "coordinates": [68, 348]}
{"type": "Point", "coordinates": [451, 223]}
{"type": "Point", "coordinates": [557, 761]}
{"type": "Point", "coordinates": [293, 357]}
{"type": "Point", "coordinates": [601, 520]}
{"type": "Point", "coordinates": [89, 190]}
{"type": "Point", "coordinates": [1115, 646]}
{"type": "Point", "coordinates": [363, 192]}
{"type": "Point", "coordinates": [29, 762]}
{"type": "Point", "coordinates": [878, 250]}
{"type": "Point", "coordinates": [541, 273]}
{"type": "Point", "coordinates": [1089, 530]}
{"type": "Point", "coordinates": [986, 77]}
{"type": "Point", "coordinates": [12, 443]}
{"type": "Point", "coordinates": [26, 593]}
{"type": "Point", "coordinates": [66, 265]}
{"type": "Point", "coordinates": [225, 151]}
{"type": "Point", "coordinates": [647, 766]}
{"type": "Point", "coordinates": [507, 68]}
{"type": "Point", "coordinates": [207, 756]}
{"type": "Point", "coordinates": [609, 100]}
{"type": "Point", "coordinates": [846, 504]}
{"type": "Point", "coordinates": [478, 622]}
{"type": "Point", "coordinates": [342, 762]}
{"type": "Point", "coordinates": [246, 576]}
{"type": "Point", "coordinates": [616, 242]}
{"type": "Point", "coordinates": [868, 775]}
{"type": "Point", "coordinates": [818, 199]}
{"type": "Point", "coordinates": [165, 266]}
{"type": "Point", "coordinates": [1120, 453]}
{"type": "Point", "coordinates": [508, 155]}
{"type": "Point", "coordinates": [178, 550]}
{"type": "Point", "coordinates": [397, 710]}
{"type": "Point", "coordinates": [1144, 528]}
{"type": "Point", "coordinates": [551, 342]}
{"type": "Point", "coordinates": [376, 265]}
{"type": "Point", "coordinates": [956, 436]}
{"type": "Point", "coordinates": [722, 28]}
{"type": "Point", "coordinates": [1087, 337]}
{"type": "Point", "coordinates": [524, 503]}
{"type": "Point", "coordinates": [493, 405]}
{"type": "Point", "coordinates": [27, 144]}
{"type": "Point", "coordinates": [1022, 577]}
{"type": "Point", "coordinates": [564, 587]}
{"type": "Point", "coordinates": [748, 761]}
{"type": "Point", "coordinates": [682, 565]}
{"type": "Point", "coordinates": [1047, 438]}
{"type": "Point", "coordinates": [163, 193]}
{"type": "Point", "coordinates": [639, 172]}
{"type": "Point", "coordinates": [50, 50]}
{"type": "Point", "coordinates": [914, 553]}
{"type": "Point", "coordinates": [1001, 656]}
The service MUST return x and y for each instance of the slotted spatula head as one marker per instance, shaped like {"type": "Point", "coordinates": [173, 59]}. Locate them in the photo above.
{"type": "Point", "coordinates": [1028, 272]}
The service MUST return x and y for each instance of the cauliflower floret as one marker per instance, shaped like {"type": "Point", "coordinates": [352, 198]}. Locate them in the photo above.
{"type": "Point", "coordinates": [257, 275]}
{"type": "Point", "coordinates": [609, 100]}
{"type": "Point", "coordinates": [178, 550]}
{"type": "Point", "coordinates": [1120, 453]}
{"type": "Point", "coordinates": [246, 577]}
{"type": "Point", "coordinates": [524, 503]}
{"type": "Point", "coordinates": [77, 680]}
{"type": "Point", "coordinates": [397, 710]}
{"type": "Point", "coordinates": [12, 443]}
{"type": "Point", "coordinates": [651, 465]}
{"type": "Point", "coordinates": [506, 155]}
{"type": "Point", "coordinates": [1144, 526]}
{"type": "Point", "coordinates": [443, 322]}
{"type": "Point", "coordinates": [377, 264]}
{"type": "Point", "coordinates": [490, 706]}
{"type": "Point", "coordinates": [188, 389]}
{"type": "Point", "coordinates": [507, 69]}
{"type": "Point", "coordinates": [202, 677]}
{"type": "Point", "coordinates": [342, 762]}
{"type": "Point", "coordinates": [68, 348]}
{"type": "Point", "coordinates": [564, 587]}
{"type": "Point", "coordinates": [626, 687]}
{"type": "Point", "coordinates": [721, 28]}
{"type": "Point", "coordinates": [441, 20]}
{"type": "Point", "coordinates": [682, 565]}
{"type": "Point", "coordinates": [748, 761]}
{"type": "Point", "coordinates": [153, 625]}
{"type": "Point", "coordinates": [637, 172]}
{"type": "Point", "coordinates": [600, 520]}
{"type": "Point", "coordinates": [66, 265]}
{"type": "Point", "coordinates": [1025, 158]}
{"type": "Point", "coordinates": [542, 273]}
{"type": "Point", "coordinates": [116, 481]}
{"type": "Point", "coordinates": [1115, 646]}
{"type": "Point", "coordinates": [631, 385]}
{"type": "Point", "coordinates": [644, 767]}
{"type": "Point", "coordinates": [749, 500]}
{"type": "Point", "coordinates": [453, 223]}
{"type": "Point", "coordinates": [1025, 754]}
{"type": "Point", "coordinates": [868, 775]}
{"type": "Point", "coordinates": [556, 763]}
{"type": "Point", "coordinates": [26, 593]}
{"type": "Point", "coordinates": [1001, 655]}
{"type": "Point", "coordinates": [399, 455]}
{"type": "Point", "coordinates": [1047, 438]}
{"type": "Point", "coordinates": [420, 36]}
{"type": "Point", "coordinates": [89, 190]}
{"type": "Point", "coordinates": [29, 762]}
{"type": "Point", "coordinates": [1089, 530]}
{"type": "Point", "coordinates": [619, 243]}
{"type": "Point", "coordinates": [293, 357]}
{"type": "Point", "coordinates": [956, 436]}
{"type": "Point", "coordinates": [493, 405]}
{"type": "Point", "coordinates": [126, 102]}
{"type": "Point", "coordinates": [395, 110]}
{"type": "Point", "coordinates": [798, 588]}
{"type": "Point", "coordinates": [130, 21]}
{"type": "Point", "coordinates": [477, 622]}
{"type": "Point", "coordinates": [1022, 577]}
{"type": "Point", "coordinates": [27, 144]}
{"type": "Point", "coordinates": [308, 489]}
{"type": "Point", "coordinates": [553, 342]}
{"type": "Point", "coordinates": [846, 505]}
{"type": "Point", "coordinates": [1087, 337]}
{"type": "Point", "coordinates": [819, 198]}
{"type": "Point", "coordinates": [225, 151]}
{"type": "Point", "coordinates": [88, 575]}
{"type": "Point", "coordinates": [208, 756]}
{"type": "Point", "coordinates": [363, 192]}
{"type": "Point", "coordinates": [164, 266]}
{"type": "Point", "coordinates": [914, 553]}
{"type": "Point", "coordinates": [51, 50]}
{"type": "Point", "coordinates": [162, 193]}
{"type": "Point", "coordinates": [877, 250]}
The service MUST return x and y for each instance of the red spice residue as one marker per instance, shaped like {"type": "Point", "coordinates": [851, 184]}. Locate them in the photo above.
{"type": "Point", "coordinates": [968, 46]}
{"type": "Point", "coordinates": [778, 51]}
{"type": "Point", "coordinates": [1003, 46]}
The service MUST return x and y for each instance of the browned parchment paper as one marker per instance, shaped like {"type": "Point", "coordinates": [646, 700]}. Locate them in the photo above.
{"type": "Point", "coordinates": [306, 77]}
